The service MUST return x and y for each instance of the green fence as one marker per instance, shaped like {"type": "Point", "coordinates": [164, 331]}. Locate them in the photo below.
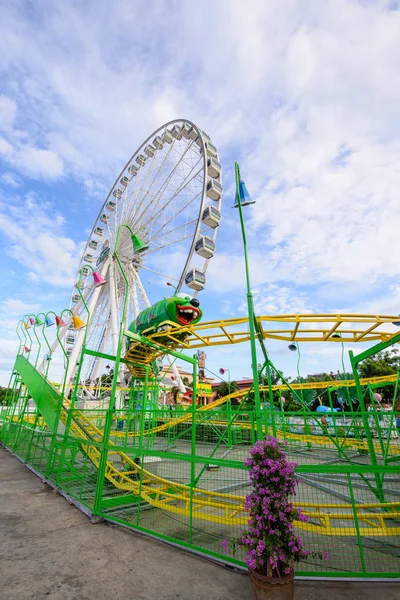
{"type": "Point", "coordinates": [178, 473]}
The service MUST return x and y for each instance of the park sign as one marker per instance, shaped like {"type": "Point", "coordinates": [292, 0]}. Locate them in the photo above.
{"type": "Point", "coordinates": [205, 389]}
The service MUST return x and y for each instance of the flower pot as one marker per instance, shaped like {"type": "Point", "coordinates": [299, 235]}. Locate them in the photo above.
{"type": "Point", "coordinates": [272, 588]}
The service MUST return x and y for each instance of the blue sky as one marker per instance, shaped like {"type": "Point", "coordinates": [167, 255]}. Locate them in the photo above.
{"type": "Point", "coordinates": [304, 95]}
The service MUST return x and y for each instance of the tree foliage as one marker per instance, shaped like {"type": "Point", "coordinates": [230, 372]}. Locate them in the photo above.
{"type": "Point", "coordinates": [386, 362]}
{"type": "Point", "coordinates": [187, 383]}
{"type": "Point", "coordinates": [276, 379]}
{"type": "Point", "coordinates": [5, 395]}
{"type": "Point", "coordinates": [225, 388]}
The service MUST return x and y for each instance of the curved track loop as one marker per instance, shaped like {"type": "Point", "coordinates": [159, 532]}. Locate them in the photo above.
{"type": "Point", "coordinates": [287, 328]}
{"type": "Point", "coordinates": [227, 509]}
{"type": "Point", "coordinates": [376, 519]}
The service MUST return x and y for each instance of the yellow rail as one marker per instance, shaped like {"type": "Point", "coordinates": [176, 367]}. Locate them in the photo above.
{"type": "Point", "coordinates": [225, 509]}
{"type": "Point", "coordinates": [288, 328]}
{"type": "Point", "coordinates": [311, 385]}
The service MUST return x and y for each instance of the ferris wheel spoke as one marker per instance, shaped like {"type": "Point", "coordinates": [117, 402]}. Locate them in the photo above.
{"type": "Point", "coordinates": [155, 236]}
{"type": "Point", "coordinates": [158, 195]}
{"type": "Point", "coordinates": [132, 193]}
{"type": "Point", "coordinates": [142, 290]}
{"type": "Point", "coordinates": [176, 192]}
{"type": "Point", "coordinates": [164, 162]}
{"type": "Point", "coordinates": [171, 277]}
{"type": "Point", "coordinates": [167, 233]}
{"type": "Point", "coordinates": [187, 237]}
{"type": "Point", "coordinates": [136, 310]}
{"type": "Point", "coordinates": [171, 198]}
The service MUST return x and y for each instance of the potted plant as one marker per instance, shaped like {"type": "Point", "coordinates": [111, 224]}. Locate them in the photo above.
{"type": "Point", "coordinates": [271, 546]}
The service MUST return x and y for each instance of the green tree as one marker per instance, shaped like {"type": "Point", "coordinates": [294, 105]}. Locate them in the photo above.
{"type": "Point", "coordinates": [313, 398]}
{"type": "Point", "coordinates": [386, 362]}
{"type": "Point", "coordinates": [5, 395]}
{"type": "Point", "coordinates": [225, 388]}
{"type": "Point", "coordinates": [276, 379]}
{"type": "Point", "coordinates": [186, 383]}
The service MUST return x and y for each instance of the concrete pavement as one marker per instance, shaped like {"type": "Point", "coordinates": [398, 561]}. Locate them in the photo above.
{"type": "Point", "coordinates": [50, 550]}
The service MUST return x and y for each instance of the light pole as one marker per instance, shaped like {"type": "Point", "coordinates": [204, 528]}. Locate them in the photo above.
{"type": "Point", "coordinates": [349, 401]}
{"type": "Point", "coordinates": [243, 199]}
{"type": "Point", "coordinates": [222, 371]}
{"type": "Point", "coordinates": [294, 347]}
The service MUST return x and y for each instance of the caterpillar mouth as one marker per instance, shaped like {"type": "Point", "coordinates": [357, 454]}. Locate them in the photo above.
{"type": "Point", "coordinates": [186, 314]}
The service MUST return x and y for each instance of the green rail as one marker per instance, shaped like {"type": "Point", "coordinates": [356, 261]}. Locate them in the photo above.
{"type": "Point", "coordinates": [46, 397]}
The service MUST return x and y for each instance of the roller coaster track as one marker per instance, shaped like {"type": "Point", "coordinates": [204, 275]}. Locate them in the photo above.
{"type": "Point", "coordinates": [227, 509]}
{"type": "Point", "coordinates": [320, 440]}
{"type": "Point", "coordinates": [287, 328]}
{"type": "Point", "coordinates": [309, 385]}
{"type": "Point", "coordinates": [375, 519]}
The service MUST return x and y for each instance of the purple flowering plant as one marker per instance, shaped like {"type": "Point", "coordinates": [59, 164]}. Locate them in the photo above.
{"type": "Point", "coordinates": [271, 546]}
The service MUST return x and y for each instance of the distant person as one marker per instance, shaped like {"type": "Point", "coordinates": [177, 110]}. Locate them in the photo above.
{"type": "Point", "coordinates": [324, 423]}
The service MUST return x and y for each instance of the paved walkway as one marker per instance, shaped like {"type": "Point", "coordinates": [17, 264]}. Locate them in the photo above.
{"type": "Point", "coordinates": [50, 550]}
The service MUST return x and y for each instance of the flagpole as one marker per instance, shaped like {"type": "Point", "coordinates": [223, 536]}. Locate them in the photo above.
{"type": "Point", "coordinates": [250, 310]}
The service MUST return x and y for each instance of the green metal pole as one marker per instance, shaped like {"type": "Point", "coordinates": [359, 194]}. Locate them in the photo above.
{"type": "Point", "coordinates": [71, 408]}
{"type": "Point", "coordinates": [370, 443]}
{"type": "Point", "coordinates": [250, 310]}
{"type": "Point", "coordinates": [271, 398]}
{"type": "Point", "coordinates": [140, 442]}
{"type": "Point", "coordinates": [46, 365]}
{"type": "Point", "coordinates": [21, 342]}
{"type": "Point", "coordinates": [26, 331]}
{"type": "Point", "coordinates": [333, 415]}
{"type": "Point", "coordinates": [193, 448]}
{"type": "Point", "coordinates": [60, 408]}
{"type": "Point", "coordinates": [392, 421]}
{"type": "Point", "coordinates": [356, 523]}
{"type": "Point", "coordinates": [37, 338]}
{"type": "Point", "coordinates": [299, 378]}
{"type": "Point", "coordinates": [376, 417]}
{"type": "Point", "coordinates": [109, 414]}
{"type": "Point", "coordinates": [350, 403]}
{"type": "Point", "coordinates": [143, 412]}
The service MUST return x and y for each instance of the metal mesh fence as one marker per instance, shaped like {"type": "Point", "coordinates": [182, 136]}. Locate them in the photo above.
{"type": "Point", "coordinates": [177, 472]}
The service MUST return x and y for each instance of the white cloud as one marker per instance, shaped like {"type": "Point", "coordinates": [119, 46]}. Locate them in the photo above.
{"type": "Point", "coordinates": [15, 306]}
{"type": "Point", "coordinates": [37, 163]}
{"type": "Point", "coordinates": [32, 276]}
{"type": "Point", "coordinates": [31, 160]}
{"type": "Point", "coordinates": [39, 244]}
{"type": "Point", "coordinates": [5, 147]}
{"type": "Point", "coordinates": [11, 180]}
{"type": "Point", "coordinates": [8, 109]}
{"type": "Point", "coordinates": [8, 350]}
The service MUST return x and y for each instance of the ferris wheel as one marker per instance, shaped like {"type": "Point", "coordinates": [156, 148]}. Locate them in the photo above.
{"type": "Point", "coordinates": [168, 195]}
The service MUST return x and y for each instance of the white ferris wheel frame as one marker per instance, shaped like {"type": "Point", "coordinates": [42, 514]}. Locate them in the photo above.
{"type": "Point", "coordinates": [108, 269]}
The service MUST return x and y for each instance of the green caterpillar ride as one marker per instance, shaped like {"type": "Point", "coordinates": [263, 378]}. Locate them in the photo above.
{"type": "Point", "coordinates": [180, 309]}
